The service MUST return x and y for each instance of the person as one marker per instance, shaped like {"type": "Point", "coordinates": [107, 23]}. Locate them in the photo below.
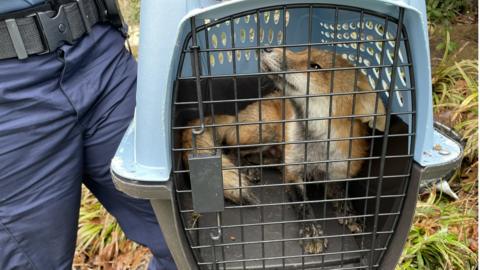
{"type": "Point", "coordinates": [67, 95]}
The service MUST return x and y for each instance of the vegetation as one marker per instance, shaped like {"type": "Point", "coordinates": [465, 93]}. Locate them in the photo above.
{"type": "Point", "coordinates": [456, 101]}
{"type": "Point", "coordinates": [130, 11]}
{"type": "Point", "coordinates": [444, 234]}
{"type": "Point", "coordinates": [101, 242]}
{"type": "Point", "coordinates": [446, 11]}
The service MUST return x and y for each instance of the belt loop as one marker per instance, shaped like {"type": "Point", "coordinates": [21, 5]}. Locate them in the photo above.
{"type": "Point", "coordinates": [16, 38]}
{"type": "Point", "coordinates": [84, 15]}
{"type": "Point", "coordinates": [102, 10]}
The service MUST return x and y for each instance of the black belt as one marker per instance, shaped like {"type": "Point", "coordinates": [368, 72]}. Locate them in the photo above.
{"type": "Point", "coordinates": [44, 31]}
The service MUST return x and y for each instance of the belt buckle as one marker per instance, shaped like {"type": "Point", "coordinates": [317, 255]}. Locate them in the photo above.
{"type": "Point", "coordinates": [55, 28]}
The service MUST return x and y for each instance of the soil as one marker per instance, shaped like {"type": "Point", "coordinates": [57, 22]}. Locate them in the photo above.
{"type": "Point", "coordinates": [465, 38]}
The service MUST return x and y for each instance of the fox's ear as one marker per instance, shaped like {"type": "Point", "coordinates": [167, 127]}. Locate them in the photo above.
{"type": "Point", "coordinates": [365, 105]}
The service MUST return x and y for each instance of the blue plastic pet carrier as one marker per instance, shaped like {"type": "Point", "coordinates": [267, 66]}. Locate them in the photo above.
{"type": "Point", "coordinates": [283, 134]}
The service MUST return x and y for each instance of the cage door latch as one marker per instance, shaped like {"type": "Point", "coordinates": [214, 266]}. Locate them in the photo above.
{"type": "Point", "coordinates": [206, 182]}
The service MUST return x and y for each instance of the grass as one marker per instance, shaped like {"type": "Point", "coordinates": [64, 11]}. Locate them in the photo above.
{"type": "Point", "coordinates": [101, 242]}
{"type": "Point", "coordinates": [444, 233]}
{"type": "Point", "coordinates": [456, 101]}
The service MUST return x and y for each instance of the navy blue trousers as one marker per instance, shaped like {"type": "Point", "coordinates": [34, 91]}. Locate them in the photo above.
{"type": "Point", "coordinates": [62, 116]}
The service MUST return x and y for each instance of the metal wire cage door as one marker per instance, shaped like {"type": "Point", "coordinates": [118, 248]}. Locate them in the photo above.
{"type": "Point", "coordinates": [299, 119]}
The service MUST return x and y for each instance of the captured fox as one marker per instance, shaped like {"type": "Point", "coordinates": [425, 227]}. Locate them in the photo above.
{"type": "Point", "coordinates": [273, 109]}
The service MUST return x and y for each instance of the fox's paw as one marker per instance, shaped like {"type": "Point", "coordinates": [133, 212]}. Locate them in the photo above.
{"type": "Point", "coordinates": [248, 197]}
{"type": "Point", "coordinates": [252, 175]}
{"type": "Point", "coordinates": [345, 210]}
{"type": "Point", "coordinates": [352, 223]}
{"type": "Point", "coordinates": [245, 196]}
{"type": "Point", "coordinates": [355, 226]}
{"type": "Point", "coordinates": [312, 244]}
{"type": "Point", "coordinates": [238, 188]}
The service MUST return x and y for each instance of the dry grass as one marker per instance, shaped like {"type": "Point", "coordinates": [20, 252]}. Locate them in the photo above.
{"type": "Point", "coordinates": [456, 101]}
{"type": "Point", "coordinates": [101, 243]}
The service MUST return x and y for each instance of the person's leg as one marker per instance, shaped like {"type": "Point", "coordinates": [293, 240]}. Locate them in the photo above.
{"type": "Point", "coordinates": [135, 216]}
{"type": "Point", "coordinates": [105, 122]}
{"type": "Point", "coordinates": [40, 166]}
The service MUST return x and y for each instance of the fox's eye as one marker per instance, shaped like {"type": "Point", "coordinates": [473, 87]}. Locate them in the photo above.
{"type": "Point", "coordinates": [315, 66]}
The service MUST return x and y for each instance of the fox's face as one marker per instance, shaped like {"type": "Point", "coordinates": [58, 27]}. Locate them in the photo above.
{"type": "Point", "coordinates": [320, 82]}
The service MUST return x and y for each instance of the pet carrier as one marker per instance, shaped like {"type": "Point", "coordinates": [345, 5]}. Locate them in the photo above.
{"type": "Point", "coordinates": [283, 134]}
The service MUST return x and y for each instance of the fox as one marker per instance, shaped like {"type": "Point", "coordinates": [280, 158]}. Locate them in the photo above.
{"type": "Point", "coordinates": [287, 117]}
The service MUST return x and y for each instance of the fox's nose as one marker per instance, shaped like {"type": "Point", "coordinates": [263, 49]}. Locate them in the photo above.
{"type": "Point", "coordinates": [268, 50]}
